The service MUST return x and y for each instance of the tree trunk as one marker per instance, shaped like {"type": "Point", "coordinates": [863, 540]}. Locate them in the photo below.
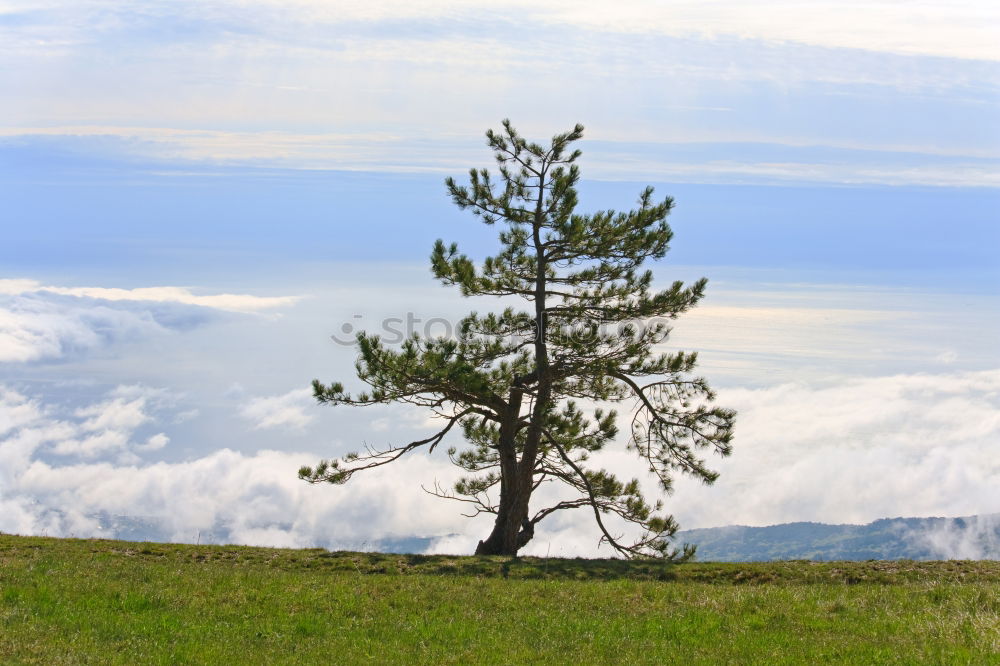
{"type": "Point", "coordinates": [512, 529]}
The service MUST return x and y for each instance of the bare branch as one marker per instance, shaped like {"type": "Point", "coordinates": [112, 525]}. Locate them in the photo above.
{"type": "Point", "coordinates": [332, 472]}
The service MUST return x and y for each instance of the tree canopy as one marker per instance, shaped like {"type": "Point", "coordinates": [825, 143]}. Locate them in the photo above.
{"type": "Point", "coordinates": [532, 391]}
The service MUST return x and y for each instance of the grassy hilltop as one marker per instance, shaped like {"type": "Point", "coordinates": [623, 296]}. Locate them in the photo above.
{"type": "Point", "coordinates": [90, 601]}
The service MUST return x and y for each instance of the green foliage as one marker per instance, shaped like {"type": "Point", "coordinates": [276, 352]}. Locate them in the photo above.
{"type": "Point", "coordinates": [527, 387]}
{"type": "Point", "coordinates": [86, 601]}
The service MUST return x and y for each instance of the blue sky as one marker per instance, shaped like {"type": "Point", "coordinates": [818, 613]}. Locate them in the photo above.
{"type": "Point", "coordinates": [196, 195]}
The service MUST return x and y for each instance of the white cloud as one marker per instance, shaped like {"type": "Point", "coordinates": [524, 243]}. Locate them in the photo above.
{"type": "Point", "coordinates": [226, 302]}
{"type": "Point", "coordinates": [947, 356]}
{"type": "Point", "coordinates": [154, 443]}
{"type": "Point", "coordinates": [45, 322]}
{"type": "Point", "coordinates": [37, 328]}
{"type": "Point", "coordinates": [117, 414]}
{"type": "Point", "coordinates": [254, 498]}
{"type": "Point", "coordinates": [109, 426]}
{"type": "Point", "coordinates": [405, 418]}
{"type": "Point", "coordinates": [855, 451]}
{"type": "Point", "coordinates": [101, 429]}
{"type": "Point", "coordinates": [976, 539]}
{"type": "Point", "coordinates": [280, 411]}
{"type": "Point", "coordinates": [17, 410]}
{"type": "Point", "coordinates": [13, 287]}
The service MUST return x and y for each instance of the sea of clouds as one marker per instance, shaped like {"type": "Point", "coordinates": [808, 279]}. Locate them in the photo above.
{"type": "Point", "coordinates": [76, 457]}
{"type": "Point", "coordinates": [906, 445]}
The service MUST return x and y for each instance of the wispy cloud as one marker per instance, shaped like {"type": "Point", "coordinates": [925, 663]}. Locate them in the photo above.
{"type": "Point", "coordinates": [961, 29]}
{"type": "Point", "coordinates": [794, 71]}
{"type": "Point", "coordinates": [226, 302]}
{"type": "Point", "coordinates": [976, 538]}
{"type": "Point", "coordinates": [964, 29]}
{"type": "Point", "coordinates": [171, 152]}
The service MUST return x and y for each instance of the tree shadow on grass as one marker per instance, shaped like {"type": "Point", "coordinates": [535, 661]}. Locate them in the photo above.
{"type": "Point", "coordinates": [528, 568]}
{"type": "Point", "coordinates": [319, 560]}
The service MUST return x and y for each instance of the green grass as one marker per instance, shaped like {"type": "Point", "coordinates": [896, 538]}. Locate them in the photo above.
{"type": "Point", "coordinates": [90, 601]}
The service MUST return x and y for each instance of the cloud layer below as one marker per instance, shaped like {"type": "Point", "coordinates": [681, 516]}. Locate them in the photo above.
{"type": "Point", "coordinates": [913, 445]}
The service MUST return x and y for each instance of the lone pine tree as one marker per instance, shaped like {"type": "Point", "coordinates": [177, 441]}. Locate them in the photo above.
{"type": "Point", "coordinates": [529, 390]}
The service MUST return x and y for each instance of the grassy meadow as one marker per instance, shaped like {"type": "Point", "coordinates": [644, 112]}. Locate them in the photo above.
{"type": "Point", "coordinates": [69, 601]}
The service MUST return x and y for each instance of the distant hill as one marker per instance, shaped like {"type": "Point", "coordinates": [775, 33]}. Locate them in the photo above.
{"type": "Point", "coordinates": [971, 537]}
